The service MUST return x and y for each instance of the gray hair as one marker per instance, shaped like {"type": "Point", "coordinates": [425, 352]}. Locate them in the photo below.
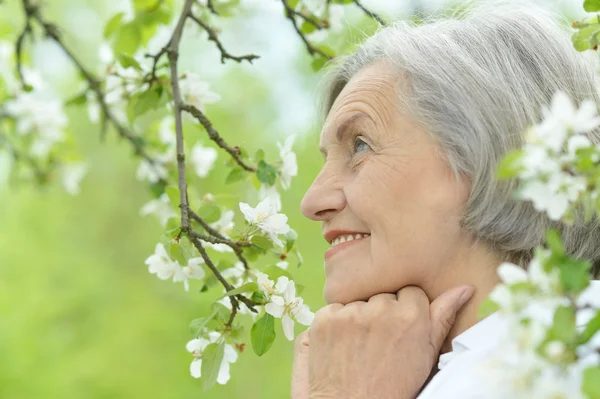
{"type": "Point", "coordinates": [476, 82]}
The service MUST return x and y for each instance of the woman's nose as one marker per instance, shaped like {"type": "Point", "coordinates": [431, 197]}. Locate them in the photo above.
{"type": "Point", "coordinates": [324, 198]}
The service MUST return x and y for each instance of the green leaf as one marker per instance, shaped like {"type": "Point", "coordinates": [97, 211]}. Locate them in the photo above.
{"type": "Point", "coordinates": [318, 62]}
{"type": "Point", "coordinates": [235, 175]}
{"type": "Point", "coordinates": [574, 275]}
{"type": "Point", "coordinates": [177, 253]}
{"type": "Point", "coordinates": [248, 287]}
{"type": "Point", "coordinates": [127, 61]}
{"type": "Point", "coordinates": [554, 242]}
{"type": "Point", "coordinates": [290, 240]}
{"type": "Point", "coordinates": [259, 156]}
{"type": "Point", "coordinates": [197, 325]}
{"type": "Point", "coordinates": [581, 38]}
{"type": "Point", "coordinates": [128, 39]}
{"type": "Point", "coordinates": [591, 5]}
{"type": "Point", "coordinates": [263, 334]}
{"type": "Point", "coordinates": [173, 194]}
{"type": "Point", "coordinates": [591, 382]}
{"type": "Point", "coordinates": [592, 327]}
{"type": "Point", "coordinates": [510, 165]}
{"type": "Point", "coordinates": [275, 272]}
{"type": "Point", "coordinates": [210, 213]}
{"type": "Point", "coordinates": [113, 24]}
{"type": "Point", "coordinates": [143, 102]}
{"type": "Point", "coordinates": [259, 297]}
{"type": "Point", "coordinates": [266, 173]}
{"type": "Point", "coordinates": [212, 357]}
{"type": "Point", "coordinates": [77, 100]}
{"type": "Point", "coordinates": [486, 308]}
{"type": "Point", "coordinates": [293, 3]}
{"type": "Point", "coordinates": [262, 242]}
{"type": "Point", "coordinates": [226, 8]}
{"type": "Point", "coordinates": [564, 328]}
{"type": "Point", "coordinates": [307, 27]}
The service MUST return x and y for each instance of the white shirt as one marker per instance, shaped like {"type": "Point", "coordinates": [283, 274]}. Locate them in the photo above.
{"type": "Point", "coordinates": [456, 378]}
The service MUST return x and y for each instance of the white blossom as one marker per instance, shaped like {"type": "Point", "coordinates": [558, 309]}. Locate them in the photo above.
{"type": "Point", "coordinates": [161, 207]}
{"type": "Point", "coordinates": [271, 193]}
{"type": "Point", "coordinates": [161, 264]}
{"type": "Point", "coordinates": [196, 92]}
{"type": "Point", "coordinates": [166, 131]}
{"type": "Point", "coordinates": [192, 270]}
{"type": "Point", "coordinates": [165, 268]}
{"type": "Point", "coordinates": [289, 166]}
{"type": "Point", "coordinates": [282, 265]}
{"type": "Point", "coordinates": [41, 115]}
{"type": "Point", "coordinates": [71, 176]}
{"type": "Point", "coordinates": [563, 118]}
{"type": "Point", "coordinates": [93, 107]}
{"type": "Point", "coordinates": [266, 218]}
{"type": "Point", "coordinates": [156, 170]}
{"type": "Point", "coordinates": [198, 345]}
{"type": "Point", "coordinates": [268, 286]}
{"type": "Point", "coordinates": [203, 159]}
{"type": "Point", "coordinates": [545, 198]}
{"type": "Point", "coordinates": [122, 83]}
{"type": "Point", "coordinates": [288, 307]}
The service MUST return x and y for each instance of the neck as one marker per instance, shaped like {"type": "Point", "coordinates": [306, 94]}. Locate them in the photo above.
{"type": "Point", "coordinates": [475, 266]}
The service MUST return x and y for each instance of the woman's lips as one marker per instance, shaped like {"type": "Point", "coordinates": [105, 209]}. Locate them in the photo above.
{"type": "Point", "coordinates": [340, 247]}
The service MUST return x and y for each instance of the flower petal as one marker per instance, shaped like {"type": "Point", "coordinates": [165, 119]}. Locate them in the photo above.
{"type": "Point", "coordinates": [288, 326]}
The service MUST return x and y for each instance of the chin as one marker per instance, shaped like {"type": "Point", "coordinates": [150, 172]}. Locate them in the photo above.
{"type": "Point", "coordinates": [342, 293]}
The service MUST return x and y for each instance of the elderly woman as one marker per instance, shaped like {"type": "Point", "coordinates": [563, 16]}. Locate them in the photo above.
{"type": "Point", "coordinates": [416, 122]}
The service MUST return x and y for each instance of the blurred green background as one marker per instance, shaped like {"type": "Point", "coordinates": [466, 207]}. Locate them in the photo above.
{"type": "Point", "coordinates": [80, 316]}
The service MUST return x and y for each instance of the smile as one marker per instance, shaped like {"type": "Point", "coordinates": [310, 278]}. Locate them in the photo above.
{"type": "Point", "coordinates": [344, 241]}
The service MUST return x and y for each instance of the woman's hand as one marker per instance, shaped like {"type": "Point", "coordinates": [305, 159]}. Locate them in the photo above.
{"type": "Point", "coordinates": [384, 348]}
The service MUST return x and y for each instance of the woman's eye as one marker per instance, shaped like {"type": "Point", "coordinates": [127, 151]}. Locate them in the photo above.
{"type": "Point", "coordinates": [359, 145]}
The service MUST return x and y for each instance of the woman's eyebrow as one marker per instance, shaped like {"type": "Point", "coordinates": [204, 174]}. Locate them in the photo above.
{"type": "Point", "coordinates": [342, 130]}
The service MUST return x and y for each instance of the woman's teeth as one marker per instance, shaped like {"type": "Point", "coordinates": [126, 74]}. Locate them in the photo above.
{"type": "Point", "coordinates": [347, 237]}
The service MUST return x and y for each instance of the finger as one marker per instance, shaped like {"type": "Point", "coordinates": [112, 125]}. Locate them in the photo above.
{"type": "Point", "coordinates": [414, 301]}
{"type": "Point", "coordinates": [385, 297]}
{"type": "Point", "coordinates": [300, 388]}
{"type": "Point", "coordinates": [442, 312]}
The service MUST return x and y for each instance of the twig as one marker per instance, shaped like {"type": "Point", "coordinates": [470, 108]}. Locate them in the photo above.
{"type": "Point", "coordinates": [51, 31]}
{"type": "Point", "coordinates": [219, 276]}
{"type": "Point", "coordinates": [173, 53]}
{"type": "Point", "coordinates": [212, 36]}
{"type": "Point", "coordinates": [312, 50]}
{"type": "Point", "coordinates": [211, 7]}
{"type": "Point", "coordinates": [155, 58]}
{"type": "Point", "coordinates": [313, 22]}
{"type": "Point", "coordinates": [19, 45]}
{"type": "Point", "coordinates": [214, 136]}
{"type": "Point", "coordinates": [215, 240]}
{"type": "Point", "coordinates": [371, 14]}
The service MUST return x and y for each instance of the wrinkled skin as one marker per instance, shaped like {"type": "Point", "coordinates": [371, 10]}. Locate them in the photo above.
{"type": "Point", "coordinates": [384, 175]}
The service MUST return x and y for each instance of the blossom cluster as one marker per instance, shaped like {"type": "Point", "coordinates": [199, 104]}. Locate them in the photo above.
{"type": "Point", "coordinates": [549, 160]}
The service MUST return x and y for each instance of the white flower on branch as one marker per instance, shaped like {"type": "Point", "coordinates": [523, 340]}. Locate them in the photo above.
{"type": "Point", "coordinates": [271, 193]}
{"type": "Point", "coordinates": [122, 83]}
{"type": "Point", "coordinates": [196, 347]}
{"type": "Point", "coordinates": [161, 264]}
{"type": "Point", "coordinates": [154, 171]}
{"type": "Point", "coordinates": [40, 115]}
{"type": "Point", "coordinates": [289, 167]}
{"type": "Point", "coordinates": [203, 159]}
{"type": "Point", "coordinates": [161, 207]}
{"type": "Point", "coordinates": [71, 176]}
{"type": "Point", "coordinates": [165, 268]}
{"type": "Point", "coordinates": [266, 218]}
{"type": "Point", "coordinates": [564, 118]}
{"type": "Point", "coordinates": [288, 307]}
{"type": "Point", "coordinates": [196, 92]}
{"type": "Point", "coordinates": [555, 195]}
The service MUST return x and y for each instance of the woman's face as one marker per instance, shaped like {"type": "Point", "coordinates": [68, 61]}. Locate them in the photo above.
{"type": "Point", "coordinates": [385, 177]}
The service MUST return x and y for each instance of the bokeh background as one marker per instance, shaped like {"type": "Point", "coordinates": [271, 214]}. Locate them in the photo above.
{"type": "Point", "coordinates": [80, 316]}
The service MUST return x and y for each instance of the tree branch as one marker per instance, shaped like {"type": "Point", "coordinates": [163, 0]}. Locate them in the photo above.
{"type": "Point", "coordinates": [19, 45]}
{"type": "Point", "coordinates": [219, 276]}
{"type": "Point", "coordinates": [214, 136]}
{"type": "Point", "coordinates": [371, 14]}
{"type": "Point", "coordinates": [290, 13]}
{"type": "Point", "coordinates": [51, 31]}
{"type": "Point", "coordinates": [212, 36]}
{"type": "Point", "coordinates": [173, 54]}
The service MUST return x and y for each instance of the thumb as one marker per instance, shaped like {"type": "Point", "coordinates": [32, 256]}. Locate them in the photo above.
{"type": "Point", "coordinates": [300, 388]}
{"type": "Point", "coordinates": [443, 310]}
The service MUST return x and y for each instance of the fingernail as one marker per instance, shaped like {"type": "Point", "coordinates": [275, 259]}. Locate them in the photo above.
{"type": "Point", "coordinates": [465, 295]}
